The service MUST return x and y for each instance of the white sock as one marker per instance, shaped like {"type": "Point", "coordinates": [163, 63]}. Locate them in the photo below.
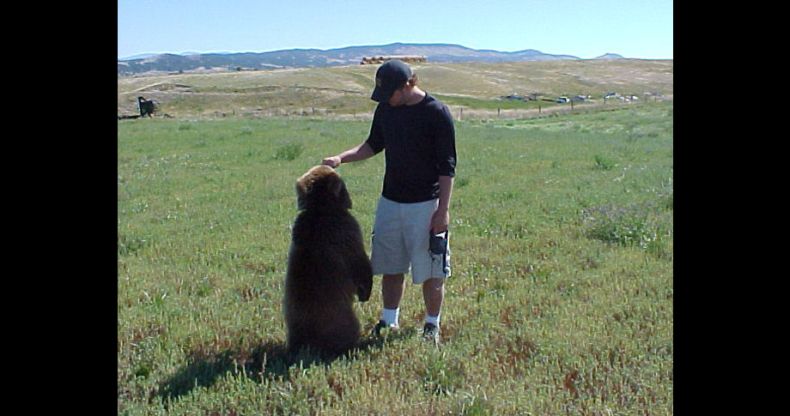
{"type": "Point", "coordinates": [390, 316]}
{"type": "Point", "coordinates": [432, 319]}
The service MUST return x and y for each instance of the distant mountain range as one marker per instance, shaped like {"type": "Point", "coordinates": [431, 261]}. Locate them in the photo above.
{"type": "Point", "coordinates": [296, 58]}
{"type": "Point", "coordinates": [610, 56]}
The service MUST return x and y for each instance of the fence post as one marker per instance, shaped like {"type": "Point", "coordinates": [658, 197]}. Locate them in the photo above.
{"type": "Point", "coordinates": [497, 112]}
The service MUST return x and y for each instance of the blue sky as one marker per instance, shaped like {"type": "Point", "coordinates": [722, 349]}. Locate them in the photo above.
{"type": "Point", "coordinates": [583, 28]}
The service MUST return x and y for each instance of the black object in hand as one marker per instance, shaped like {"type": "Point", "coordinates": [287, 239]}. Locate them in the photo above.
{"type": "Point", "coordinates": [438, 243]}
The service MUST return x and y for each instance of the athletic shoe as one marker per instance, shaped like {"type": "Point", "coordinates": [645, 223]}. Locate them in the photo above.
{"type": "Point", "coordinates": [430, 332]}
{"type": "Point", "coordinates": [382, 325]}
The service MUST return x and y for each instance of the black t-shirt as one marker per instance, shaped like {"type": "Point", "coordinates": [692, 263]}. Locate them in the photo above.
{"type": "Point", "coordinates": [420, 146]}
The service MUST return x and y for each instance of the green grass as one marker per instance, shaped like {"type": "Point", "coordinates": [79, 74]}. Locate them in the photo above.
{"type": "Point", "coordinates": [560, 300]}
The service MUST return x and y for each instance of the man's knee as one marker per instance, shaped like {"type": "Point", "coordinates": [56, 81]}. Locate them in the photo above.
{"type": "Point", "coordinates": [393, 278]}
{"type": "Point", "coordinates": [435, 283]}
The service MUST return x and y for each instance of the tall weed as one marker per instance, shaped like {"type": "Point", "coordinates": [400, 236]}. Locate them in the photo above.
{"type": "Point", "coordinates": [289, 151]}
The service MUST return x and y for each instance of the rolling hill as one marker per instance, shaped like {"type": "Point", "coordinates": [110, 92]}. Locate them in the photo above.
{"type": "Point", "coordinates": [299, 58]}
{"type": "Point", "coordinates": [345, 90]}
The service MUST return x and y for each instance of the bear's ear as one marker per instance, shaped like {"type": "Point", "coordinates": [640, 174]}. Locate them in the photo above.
{"type": "Point", "coordinates": [338, 190]}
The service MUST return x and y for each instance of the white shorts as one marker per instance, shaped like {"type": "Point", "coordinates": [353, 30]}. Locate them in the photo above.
{"type": "Point", "coordinates": [400, 241]}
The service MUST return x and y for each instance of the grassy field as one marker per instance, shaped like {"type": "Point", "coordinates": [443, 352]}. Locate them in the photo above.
{"type": "Point", "coordinates": [560, 300]}
{"type": "Point", "coordinates": [346, 90]}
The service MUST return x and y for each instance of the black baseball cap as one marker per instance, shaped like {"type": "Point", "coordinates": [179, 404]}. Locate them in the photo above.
{"type": "Point", "coordinates": [390, 76]}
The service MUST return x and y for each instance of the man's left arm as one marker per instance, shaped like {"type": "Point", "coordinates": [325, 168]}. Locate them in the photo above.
{"type": "Point", "coordinates": [441, 218]}
{"type": "Point", "coordinates": [444, 130]}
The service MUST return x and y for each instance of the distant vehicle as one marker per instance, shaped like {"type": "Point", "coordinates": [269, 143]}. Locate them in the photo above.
{"type": "Point", "coordinates": [563, 100]}
{"type": "Point", "coordinates": [515, 96]}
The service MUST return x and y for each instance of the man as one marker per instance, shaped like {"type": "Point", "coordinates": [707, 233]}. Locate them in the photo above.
{"type": "Point", "coordinates": [410, 233]}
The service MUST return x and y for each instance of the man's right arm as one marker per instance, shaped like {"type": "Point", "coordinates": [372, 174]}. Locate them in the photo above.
{"type": "Point", "coordinates": [360, 152]}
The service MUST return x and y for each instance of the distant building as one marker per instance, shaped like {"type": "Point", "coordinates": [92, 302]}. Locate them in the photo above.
{"type": "Point", "coordinates": [370, 60]}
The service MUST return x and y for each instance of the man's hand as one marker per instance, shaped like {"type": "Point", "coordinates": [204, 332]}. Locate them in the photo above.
{"type": "Point", "coordinates": [332, 161]}
{"type": "Point", "coordinates": [440, 221]}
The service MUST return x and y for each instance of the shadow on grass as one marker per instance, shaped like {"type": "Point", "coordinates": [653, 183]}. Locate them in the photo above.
{"type": "Point", "coordinates": [270, 360]}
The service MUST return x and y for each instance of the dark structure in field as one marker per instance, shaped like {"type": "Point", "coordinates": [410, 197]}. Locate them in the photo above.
{"type": "Point", "coordinates": [146, 107]}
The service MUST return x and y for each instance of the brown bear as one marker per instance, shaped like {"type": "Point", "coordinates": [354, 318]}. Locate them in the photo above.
{"type": "Point", "coordinates": [327, 266]}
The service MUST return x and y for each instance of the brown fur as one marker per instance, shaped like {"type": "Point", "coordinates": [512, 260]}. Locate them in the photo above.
{"type": "Point", "coordinates": [327, 266]}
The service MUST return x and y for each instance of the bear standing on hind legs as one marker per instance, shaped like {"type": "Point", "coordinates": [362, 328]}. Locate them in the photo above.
{"type": "Point", "coordinates": [327, 266]}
